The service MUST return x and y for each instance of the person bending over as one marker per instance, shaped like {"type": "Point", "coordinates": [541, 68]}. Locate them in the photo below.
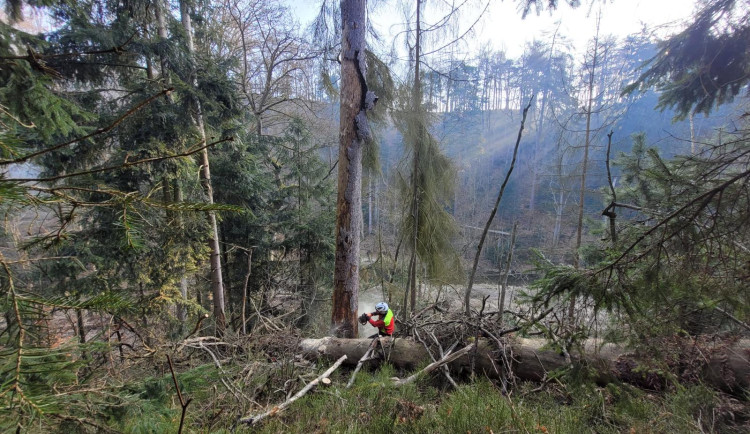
{"type": "Point", "coordinates": [385, 323]}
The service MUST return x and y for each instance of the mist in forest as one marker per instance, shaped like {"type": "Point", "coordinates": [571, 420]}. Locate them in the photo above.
{"type": "Point", "coordinates": [199, 199]}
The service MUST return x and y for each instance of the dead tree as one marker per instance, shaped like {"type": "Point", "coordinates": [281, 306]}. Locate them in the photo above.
{"type": "Point", "coordinates": [467, 295]}
{"type": "Point", "coordinates": [353, 131]}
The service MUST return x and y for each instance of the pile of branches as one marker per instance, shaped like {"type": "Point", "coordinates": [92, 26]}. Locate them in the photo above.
{"type": "Point", "coordinates": [442, 332]}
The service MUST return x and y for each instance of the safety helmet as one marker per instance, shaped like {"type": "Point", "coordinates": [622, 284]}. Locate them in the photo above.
{"type": "Point", "coordinates": [382, 307]}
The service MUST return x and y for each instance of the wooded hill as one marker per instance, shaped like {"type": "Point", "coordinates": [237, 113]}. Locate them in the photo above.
{"type": "Point", "coordinates": [192, 190]}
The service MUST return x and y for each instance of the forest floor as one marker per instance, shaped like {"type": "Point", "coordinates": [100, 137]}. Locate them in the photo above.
{"type": "Point", "coordinates": [256, 373]}
{"type": "Point", "coordinates": [571, 404]}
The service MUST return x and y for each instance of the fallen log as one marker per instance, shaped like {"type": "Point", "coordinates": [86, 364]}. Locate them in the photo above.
{"type": "Point", "coordinates": [722, 365]}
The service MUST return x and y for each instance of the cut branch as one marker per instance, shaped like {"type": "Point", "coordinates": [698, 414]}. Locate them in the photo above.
{"type": "Point", "coordinates": [362, 361]}
{"type": "Point", "coordinates": [434, 365]}
{"type": "Point", "coordinates": [183, 403]}
{"type": "Point", "coordinates": [251, 420]}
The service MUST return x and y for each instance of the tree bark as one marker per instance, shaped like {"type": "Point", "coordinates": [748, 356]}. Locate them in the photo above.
{"type": "Point", "coordinates": [725, 366]}
{"type": "Point", "coordinates": [353, 130]}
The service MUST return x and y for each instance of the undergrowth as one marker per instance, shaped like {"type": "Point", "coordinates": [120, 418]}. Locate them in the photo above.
{"type": "Point", "coordinates": [373, 405]}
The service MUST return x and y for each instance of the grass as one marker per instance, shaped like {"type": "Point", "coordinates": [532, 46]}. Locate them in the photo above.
{"type": "Point", "coordinates": [373, 405]}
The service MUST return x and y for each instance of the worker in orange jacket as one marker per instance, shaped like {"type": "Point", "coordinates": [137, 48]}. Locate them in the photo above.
{"type": "Point", "coordinates": [386, 322]}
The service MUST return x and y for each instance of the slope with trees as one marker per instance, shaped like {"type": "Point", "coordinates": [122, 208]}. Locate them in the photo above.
{"type": "Point", "coordinates": [125, 308]}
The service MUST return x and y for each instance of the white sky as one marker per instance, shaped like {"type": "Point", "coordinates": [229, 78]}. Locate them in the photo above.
{"type": "Point", "coordinates": [503, 27]}
{"type": "Point", "coordinates": [619, 17]}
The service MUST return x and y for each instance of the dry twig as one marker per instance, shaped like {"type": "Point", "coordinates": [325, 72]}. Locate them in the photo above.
{"type": "Point", "coordinates": [183, 403]}
{"type": "Point", "coordinates": [432, 366]}
{"type": "Point", "coordinates": [365, 357]}
{"type": "Point", "coordinates": [251, 420]}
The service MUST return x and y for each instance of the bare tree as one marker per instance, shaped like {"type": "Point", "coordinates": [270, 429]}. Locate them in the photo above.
{"type": "Point", "coordinates": [274, 58]}
{"type": "Point", "coordinates": [590, 66]}
{"type": "Point", "coordinates": [467, 294]}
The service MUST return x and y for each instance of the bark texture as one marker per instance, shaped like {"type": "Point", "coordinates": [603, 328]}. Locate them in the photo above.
{"type": "Point", "coordinates": [353, 131]}
{"type": "Point", "coordinates": [725, 366]}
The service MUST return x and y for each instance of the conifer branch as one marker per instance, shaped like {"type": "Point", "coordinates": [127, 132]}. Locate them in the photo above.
{"type": "Point", "coordinates": [103, 130]}
{"type": "Point", "coordinates": [128, 198]}
{"type": "Point", "coordinates": [46, 258]}
{"type": "Point", "coordinates": [34, 56]}
{"type": "Point", "coordinates": [700, 200]}
{"type": "Point", "coordinates": [16, 381]}
{"type": "Point", "coordinates": [123, 165]}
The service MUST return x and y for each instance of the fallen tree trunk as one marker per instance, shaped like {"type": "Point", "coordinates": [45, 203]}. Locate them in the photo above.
{"type": "Point", "coordinates": [722, 365]}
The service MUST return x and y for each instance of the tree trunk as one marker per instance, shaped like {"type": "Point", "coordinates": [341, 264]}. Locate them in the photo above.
{"type": "Point", "coordinates": [217, 284]}
{"type": "Point", "coordinates": [307, 287]}
{"type": "Point", "coordinates": [559, 207]}
{"type": "Point", "coordinates": [243, 307]}
{"type": "Point", "coordinates": [503, 290]}
{"type": "Point", "coordinates": [230, 301]}
{"type": "Point", "coordinates": [370, 189]}
{"type": "Point", "coordinates": [610, 213]}
{"type": "Point", "coordinates": [160, 10]}
{"type": "Point", "coordinates": [352, 132]}
{"type": "Point", "coordinates": [417, 107]}
{"type": "Point", "coordinates": [587, 142]}
{"type": "Point", "coordinates": [81, 327]}
{"type": "Point", "coordinates": [723, 366]}
{"type": "Point", "coordinates": [181, 309]}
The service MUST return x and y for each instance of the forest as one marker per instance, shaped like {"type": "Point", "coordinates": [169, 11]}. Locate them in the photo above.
{"type": "Point", "coordinates": [201, 200]}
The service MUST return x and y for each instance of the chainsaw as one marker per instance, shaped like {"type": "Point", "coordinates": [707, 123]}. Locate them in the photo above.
{"type": "Point", "coordinates": [363, 318]}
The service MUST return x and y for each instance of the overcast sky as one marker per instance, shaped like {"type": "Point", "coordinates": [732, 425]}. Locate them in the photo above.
{"type": "Point", "coordinates": [503, 27]}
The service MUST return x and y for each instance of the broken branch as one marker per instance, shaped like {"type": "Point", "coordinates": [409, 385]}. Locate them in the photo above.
{"type": "Point", "coordinates": [434, 365]}
{"type": "Point", "coordinates": [251, 420]}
